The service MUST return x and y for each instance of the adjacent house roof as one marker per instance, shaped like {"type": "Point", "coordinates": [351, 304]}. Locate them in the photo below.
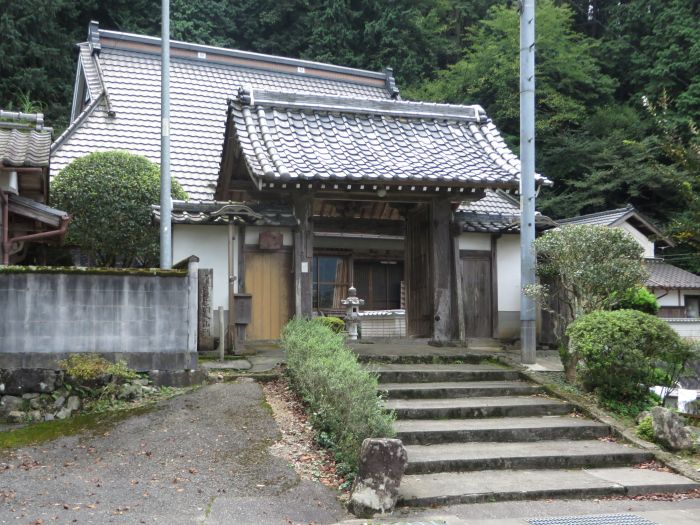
{"type": "Point", "coordinates": [221, 212]}
{"type": "Point", "coordinates": [118, 103]}
{"type": "Point", "coordinates": [664, 275]}
{"type": "Point", "coordinates": [292, 137]}
{"type": "Point", "coordinates": [24, 141]}
{"type": "Point", "coordinates": [496, 212]}
{"type": "Point", "coordinates": [616, 218]}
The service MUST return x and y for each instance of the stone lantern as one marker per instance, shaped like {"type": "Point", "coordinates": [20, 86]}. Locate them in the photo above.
{"type": "Point", "coordinates": [352, 313]}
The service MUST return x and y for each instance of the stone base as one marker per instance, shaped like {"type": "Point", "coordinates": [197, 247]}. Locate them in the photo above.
{"type": "Point", "coordinates": [139, 361]}
{"type": "Point", "coordinates": [177, 378]}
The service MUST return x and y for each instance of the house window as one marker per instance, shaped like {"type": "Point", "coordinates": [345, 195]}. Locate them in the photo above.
{"type": "Point", "coordinates": [379, 284]}
{"type": "Point", "coordinates": [331, 277]}
{"type": "Point", "coordinates": [692, 306]}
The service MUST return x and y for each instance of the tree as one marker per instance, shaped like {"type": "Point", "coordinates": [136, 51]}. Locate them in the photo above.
{"type": "Point", "coordinates": [580, 268]}
{"type": "Point", "coordinates": [109, 197]}
{"type": "Point", "coordinates": [569, 78]}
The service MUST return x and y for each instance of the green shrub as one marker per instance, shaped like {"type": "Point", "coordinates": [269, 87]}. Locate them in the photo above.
{"type": "Point", "coordinates": [645, 429]}
{"type": "Point", "coordinates": [625, 352]}
{"type": "Point", "coordinates": [334, 323]}
{"type": "Point", "coordinates": [342, 397]}
{"type": "Point", "coordinates": [639, 299]}
{"type": "Point", "coordinates": [109, 197]}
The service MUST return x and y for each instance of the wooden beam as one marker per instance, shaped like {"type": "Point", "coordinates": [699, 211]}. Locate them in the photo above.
{"type": "Point", "coordinates": [441, 262]}
{"type": "Point", "coordinates": [379, 227]}
{"type": "Point", "coordinates": [303, 255]}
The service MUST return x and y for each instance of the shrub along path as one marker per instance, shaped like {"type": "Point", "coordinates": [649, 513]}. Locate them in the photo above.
{"type": "Point", "coordinates": [202, 457]}
{"type": "Point", "coordinates": [477, 431]}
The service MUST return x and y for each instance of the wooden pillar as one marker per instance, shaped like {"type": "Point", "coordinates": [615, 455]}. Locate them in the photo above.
{"type": "Point", "coordinates": [441, 268]}
{"type": "Point", "coordinates": [303, 256]}
{"type": "Point", "coordinates": [418, 277]}
{"type": "Point", "coordinates": [458, 296]}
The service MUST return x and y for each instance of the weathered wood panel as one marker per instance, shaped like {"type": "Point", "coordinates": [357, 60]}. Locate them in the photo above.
{"type": "Point", "coordinates": [418, 278]}
{"type": "Point", "coordinates": [205, 340]}
{"type": "Point", "coordinates": [268, 280]}
{"type": "Point", "coordinates": [441, 265]}
{"type": "Point", "coordinates": [477, 294]}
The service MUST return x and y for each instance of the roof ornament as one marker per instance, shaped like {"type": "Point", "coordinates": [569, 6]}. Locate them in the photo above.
{"type": "Point", "coordinates": [94, 37]}
{"type": "Point", "coordinates": [245, 95]}
{"type": "Point", "coordinates": [390, 83]}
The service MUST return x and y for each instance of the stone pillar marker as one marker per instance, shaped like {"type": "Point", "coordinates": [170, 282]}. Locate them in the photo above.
{"type": "Point", "coordinates": [352, 314]}
{"type": "Point", "coordinates": [376, 488]}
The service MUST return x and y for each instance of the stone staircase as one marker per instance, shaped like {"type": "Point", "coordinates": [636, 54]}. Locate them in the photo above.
{"type": "Point", "coordinates": [477, 431]}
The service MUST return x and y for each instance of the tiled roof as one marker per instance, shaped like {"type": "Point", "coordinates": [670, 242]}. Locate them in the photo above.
{"type": "Point", "coordinates": [664, 275]}
{"type": "Point", "coordinates": [292, 137]}
{"type": "Point", "coordinates": [221, 212]}
{"type": "Point", "coordinates": [201, 80]}
{"type": "Point", "coordinates": [24, 141]}
{"type": "Point", "coordinates": [602, 218]}
{"type": "Point", "coordinates": [616, 218]}
{"type": "Point", "coordinates": [494, 213]}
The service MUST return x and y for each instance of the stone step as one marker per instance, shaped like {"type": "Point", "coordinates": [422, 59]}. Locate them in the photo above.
{"type": "Point", "coordinates": [399, 373]}
{"type": "Point", "coordinates": [420, 357]}
{"type": "Point", "coordinates": [462, 457]}
{"type": "Point", "coordinates": [507, 429]}
{"type": "Point", "coordinates": [459, 389]}
{"type": "Point", "coordinates": [477, 407]}
{"type": "Point", "coordinates": [450, 488]}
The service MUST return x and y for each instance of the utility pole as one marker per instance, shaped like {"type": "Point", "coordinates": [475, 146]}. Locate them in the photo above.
{"type": "Point", "coordinates": [166, 252]}
{"type": "Point", "coordinates": [528, 313]}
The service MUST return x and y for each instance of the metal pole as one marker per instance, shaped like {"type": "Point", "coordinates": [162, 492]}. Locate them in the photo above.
{"type": "Point", "coordinates": [166, 252]}
{"type": "Point", "coordinates": [528, 318]}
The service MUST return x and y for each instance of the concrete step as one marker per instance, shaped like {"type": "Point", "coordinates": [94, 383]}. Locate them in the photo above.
{"type": "Point", "coordinates": [477, 407]}
{"type": "Point", "coordinates": [507, 429]}
{"type": "Point", "coordinates": [417, 373]}
{"type": "Point", "coordinates": [449, 488]}
{"type": "Point", "coordinates": [462, 457]}
{"type": "Point", "coordinates": [459, 389]}
{"type": "Point", "coordinates": [419, 357]}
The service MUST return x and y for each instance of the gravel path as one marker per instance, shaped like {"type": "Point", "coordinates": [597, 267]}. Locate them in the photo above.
{"type": "Point", "coordinates": [200, 458]}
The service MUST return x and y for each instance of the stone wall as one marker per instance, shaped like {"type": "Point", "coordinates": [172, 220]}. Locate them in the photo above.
{"type": "Point", "coordinates": [148, 319]}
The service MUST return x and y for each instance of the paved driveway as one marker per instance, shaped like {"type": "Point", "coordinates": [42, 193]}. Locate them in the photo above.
{"type": "Point", "coordinates": [199, 458]}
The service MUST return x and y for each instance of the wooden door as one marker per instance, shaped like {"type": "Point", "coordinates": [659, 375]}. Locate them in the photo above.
{"type": "Point", "coordinates": [268, 278]}
{"type": "Point", "coordinates": [477, 294]}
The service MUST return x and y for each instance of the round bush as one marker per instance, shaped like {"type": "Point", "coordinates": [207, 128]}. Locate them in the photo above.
{"type": "Point", "coordinates": [625, 352]}
{"type": "Point", "coordinates": [109, 197]}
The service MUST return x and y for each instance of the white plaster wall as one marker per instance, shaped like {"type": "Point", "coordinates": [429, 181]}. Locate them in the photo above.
{"type": "Point", "coordinates": [475, 241]}
{"type": "Point", "coordinates": [508, 272]}
{"type": "Point", "coordinates": [687, 328]}
{"type": "Point", "coordinates": [638, 236]}
{"type": "Point", "coordinates": [209, 243]}
{"type": "Point", "coordinates": [252, 234]}
{"type": "Point", "coordinates": [669, 297]}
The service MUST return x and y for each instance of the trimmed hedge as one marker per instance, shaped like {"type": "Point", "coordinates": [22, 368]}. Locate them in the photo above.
{"type": "Point", "coordinates": [342, 397]}
{"type": "Point", "coordinates": [625, 352]}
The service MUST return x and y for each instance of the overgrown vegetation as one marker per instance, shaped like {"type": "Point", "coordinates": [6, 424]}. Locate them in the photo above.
{"type": "Point", "coordinates": [334, 323]}
{"type": "Point", "coordinates": [624, 353]}
{"type": "Point", "coordinates": [342, 397]}
{"type": "Point", "coordinates": [89, 367]}
{"type": "Point", "coordinates": [109, 197]}
{"type": "Point", "coordinates": [645, 429]}
{"type": "Point", "coordinates": [639, 299]}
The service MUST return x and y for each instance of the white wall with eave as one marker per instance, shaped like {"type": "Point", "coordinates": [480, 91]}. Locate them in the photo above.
{"type": "Point", "coordinates": [209, 243]}
{"type": "Point", "coordinates": [638, 236]}
{"type": "Point", "coordinates": [508, 272]}
{"type": "Point", "coordinates": [475, 241]}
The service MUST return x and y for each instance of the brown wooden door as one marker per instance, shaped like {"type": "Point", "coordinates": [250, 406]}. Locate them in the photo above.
{"type": "Point", "coordinates": [268, 278]}
{"type": "Point", "coordinates": [477, 293]}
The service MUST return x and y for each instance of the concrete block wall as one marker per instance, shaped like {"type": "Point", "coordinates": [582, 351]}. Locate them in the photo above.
{"type": "Point", "coordinates": [144, 319]}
